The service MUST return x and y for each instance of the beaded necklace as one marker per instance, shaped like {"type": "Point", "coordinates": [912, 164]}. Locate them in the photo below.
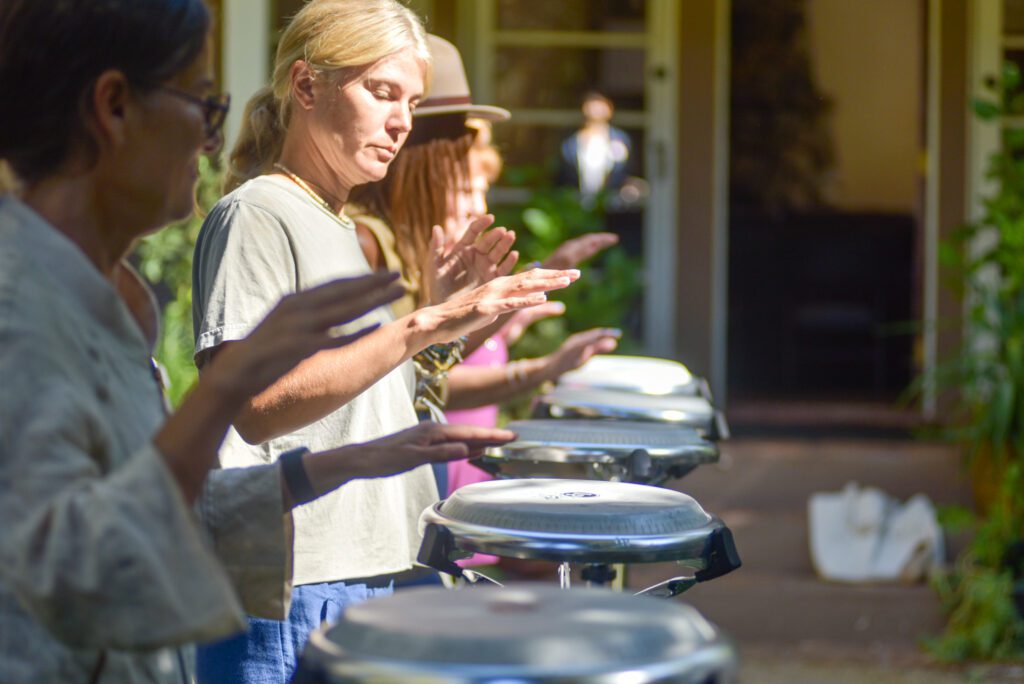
{"type": "Point", "coordinates": [295, 178]}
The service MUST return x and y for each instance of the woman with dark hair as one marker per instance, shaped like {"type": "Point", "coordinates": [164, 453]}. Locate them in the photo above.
{"type": "Point", "coordinates": [105, 575]}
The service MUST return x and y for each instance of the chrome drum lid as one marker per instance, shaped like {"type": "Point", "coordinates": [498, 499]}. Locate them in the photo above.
{"type": "Point", "coordinates": [609, 450]}
{"type": "Point", "coordinates": [527, 633]}
{"type": "Point", "coordinates": [639, 374]}
{"type": "Point", "coordinates": [690, 411]}
{"type": "Point", "coordinates": [585, 521]}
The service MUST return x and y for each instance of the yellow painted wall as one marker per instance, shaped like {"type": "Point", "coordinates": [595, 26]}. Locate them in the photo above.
{"type": "Point", "coordinates": [867, 56]}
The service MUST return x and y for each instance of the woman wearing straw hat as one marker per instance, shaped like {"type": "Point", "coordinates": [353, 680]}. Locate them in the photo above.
{"type": "Point", "coordinates": [347, 76]}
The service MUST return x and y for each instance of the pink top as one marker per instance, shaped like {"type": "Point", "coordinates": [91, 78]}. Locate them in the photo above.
{"type": "Point", "coordinates": [494, 354]}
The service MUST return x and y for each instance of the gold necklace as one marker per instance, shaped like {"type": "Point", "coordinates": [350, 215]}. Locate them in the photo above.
{"type": "Point", "coordinates": [295, 178]}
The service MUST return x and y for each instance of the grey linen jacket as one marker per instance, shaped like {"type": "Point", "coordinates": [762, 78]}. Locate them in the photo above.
{"type": "Point", "coordinates": [100, 556]}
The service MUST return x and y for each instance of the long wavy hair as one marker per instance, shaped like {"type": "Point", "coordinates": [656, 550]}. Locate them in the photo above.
{"type": "Point", "coordinates": [414, 196]}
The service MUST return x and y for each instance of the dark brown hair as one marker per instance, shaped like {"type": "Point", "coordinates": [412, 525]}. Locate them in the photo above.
{"type": "Point", "coordinates": [51, 54]}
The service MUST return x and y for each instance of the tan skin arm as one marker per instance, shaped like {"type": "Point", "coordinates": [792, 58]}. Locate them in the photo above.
{"type": "Point", "coordinates": [329, 379]}
{"type": "Point", "coordinates": [189, 438]}
{"type": "Point", "coordinates": [297, 327]}
{"type": "Point", "coordinates": [472, 386]}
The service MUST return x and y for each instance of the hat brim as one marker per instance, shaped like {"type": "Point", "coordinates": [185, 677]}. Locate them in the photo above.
{"type": "Point", "coordinates": [479, 111]}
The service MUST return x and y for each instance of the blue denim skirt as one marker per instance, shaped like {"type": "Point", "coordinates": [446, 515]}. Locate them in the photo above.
{"type": "Point", "coordinates": [269, 652]}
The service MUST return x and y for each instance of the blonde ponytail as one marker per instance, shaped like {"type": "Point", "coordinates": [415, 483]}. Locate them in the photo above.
{"type": "Point", "coordinates": [259, 141]}
{"type": "Point", "coordinates": [330, 36]}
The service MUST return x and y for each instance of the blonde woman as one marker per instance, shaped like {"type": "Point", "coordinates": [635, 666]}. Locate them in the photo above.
{"type": "Point", "coordinates": [347, 77]}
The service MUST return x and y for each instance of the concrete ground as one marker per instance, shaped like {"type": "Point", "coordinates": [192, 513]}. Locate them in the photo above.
{"type": "Point", "coordinates": [790, 626]}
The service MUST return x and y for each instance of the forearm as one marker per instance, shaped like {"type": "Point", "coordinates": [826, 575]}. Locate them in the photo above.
{"type": "Point", "coordinates": [477, 338]}
{"type": "Point", "coordinates": [190, 438]}
{"type": "Point", "coordinates": [329, 379]}
{"type": "Point", "coordinates": [473, 386]}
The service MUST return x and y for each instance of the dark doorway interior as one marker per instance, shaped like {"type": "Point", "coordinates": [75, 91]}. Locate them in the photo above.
{"type": "Point", "coordinates": [824, 200]}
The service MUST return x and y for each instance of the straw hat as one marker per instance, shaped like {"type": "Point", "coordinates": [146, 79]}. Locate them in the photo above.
{"type": "Point", "coordinates": [449, 90]}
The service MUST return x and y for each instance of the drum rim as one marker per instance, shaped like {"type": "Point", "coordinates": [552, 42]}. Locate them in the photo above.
{"type": "Point", "coordinates": [527, 450]}
{"type": "Point", "coordinates": [714, 658]}
{"type": "Point", "coordinates": [684, 546]}
{"type": "Point", "coordinates": [715, 654]}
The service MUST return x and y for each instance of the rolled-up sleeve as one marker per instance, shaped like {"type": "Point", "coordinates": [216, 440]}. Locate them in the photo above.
{"type": "Point", "coordinates": [104, 557]}
{"type": "Point", "coordinates": [242, 509]}
{"type": "Point", "coordinates": [243, 266]}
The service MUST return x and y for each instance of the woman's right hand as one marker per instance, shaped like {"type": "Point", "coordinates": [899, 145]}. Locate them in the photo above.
{"type": "Point", "coordinates": [298, 327]}
{"type": "Point", "coordinates": [423, 443]}
{"type": "Point", "coordinates": [481, 306]}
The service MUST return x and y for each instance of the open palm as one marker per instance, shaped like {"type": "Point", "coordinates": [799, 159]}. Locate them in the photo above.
{"type": "Point", "coordinates": [474, 259]}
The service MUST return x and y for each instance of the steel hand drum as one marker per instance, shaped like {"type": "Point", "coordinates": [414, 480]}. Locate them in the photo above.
{"type": "Point", "coordinates": [529, 634]}
{"type": "Point", "coordinates": [689, 411]}
{"type": "Point", "coordinates": [582, 521]}
{"type": "Point", "coordinates": [617, 451]}
{"type": "Point", "coordinates": [638, 374]}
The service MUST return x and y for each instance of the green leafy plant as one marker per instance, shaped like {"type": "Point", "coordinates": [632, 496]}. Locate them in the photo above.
{"type": "Point", "coordinates": [987, 375]}
{"type": "Point", "coordinates": [165, 260]}
{"type": "Point", "coordinates": [609, 292]}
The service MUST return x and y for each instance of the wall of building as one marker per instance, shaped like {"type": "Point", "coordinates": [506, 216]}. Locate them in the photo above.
{"type": "Point", "coordinates": [868, 57]}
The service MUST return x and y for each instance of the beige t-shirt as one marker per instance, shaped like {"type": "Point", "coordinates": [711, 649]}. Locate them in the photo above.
{"type": "Point", "coordinates": [267, 239]}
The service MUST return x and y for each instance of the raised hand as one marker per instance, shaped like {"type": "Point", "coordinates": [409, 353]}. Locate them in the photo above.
{"type": "Point", "coordinates": [572, 253]}
{"type": "Point", "coordinates": [472, 260]}
{"type": "Point", "coordinates": [469, 311]}
{"type": "Point", "coordinates": [423, 443]}
{"type": "Point", "coordinates": [577, 350]}
{"type": "Point", "coordinates": [298, 327]}
{"type": "Point", "coordinates": [524, 318]}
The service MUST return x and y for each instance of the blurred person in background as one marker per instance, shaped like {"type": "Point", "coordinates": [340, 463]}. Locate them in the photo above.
{"type": "Point", "coordinates": [596, 157]}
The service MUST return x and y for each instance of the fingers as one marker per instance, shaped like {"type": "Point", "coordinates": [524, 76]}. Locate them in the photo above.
{"type": "Point", "coordinates": [572, 252]}
{"type": "Point", "coordinates": [439, 453]}
{"type": "Point", "coordinates": [343, 288]}
{"type": "Point", "coordinates": [476, 227]}
{"type": "Point", "coordinates": [502, 244]}
{"type": "Point", "coordinates": [514, 303]}
{"type": "Point", "coordinates": [538, 279]}
{"type": "Point", "coordinates": [507, 264]}
{"type": "Point", "coordinates": [545, 310]}
{"type": "Point", "coordinates": [437, 243]}
{"type": "Point", "coordinates": [350, 308]}
{"type": "Point", "coordinates": [497, 239]}
{"type": "Point", "coordinates": [594, 243]}
{"type": "Point", "coordinates": [471, 434]}
{"type": "Point", "coordinates": [342, 340]}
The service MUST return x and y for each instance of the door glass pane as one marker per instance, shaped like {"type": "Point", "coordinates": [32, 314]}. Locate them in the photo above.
{"type": "Point", "coordinates": [572, 15]}
{"type": "Point", "coordinates": [557, 77]}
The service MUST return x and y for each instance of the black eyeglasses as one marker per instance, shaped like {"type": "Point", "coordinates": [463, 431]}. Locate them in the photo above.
{"type": "Point", "coordinates": [215, 109]}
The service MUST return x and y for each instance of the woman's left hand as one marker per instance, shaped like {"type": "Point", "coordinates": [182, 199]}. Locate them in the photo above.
{"type": "Point", "coordinates": [577, 350]}
{"type": "Point", "coordinates": [476, 258]}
